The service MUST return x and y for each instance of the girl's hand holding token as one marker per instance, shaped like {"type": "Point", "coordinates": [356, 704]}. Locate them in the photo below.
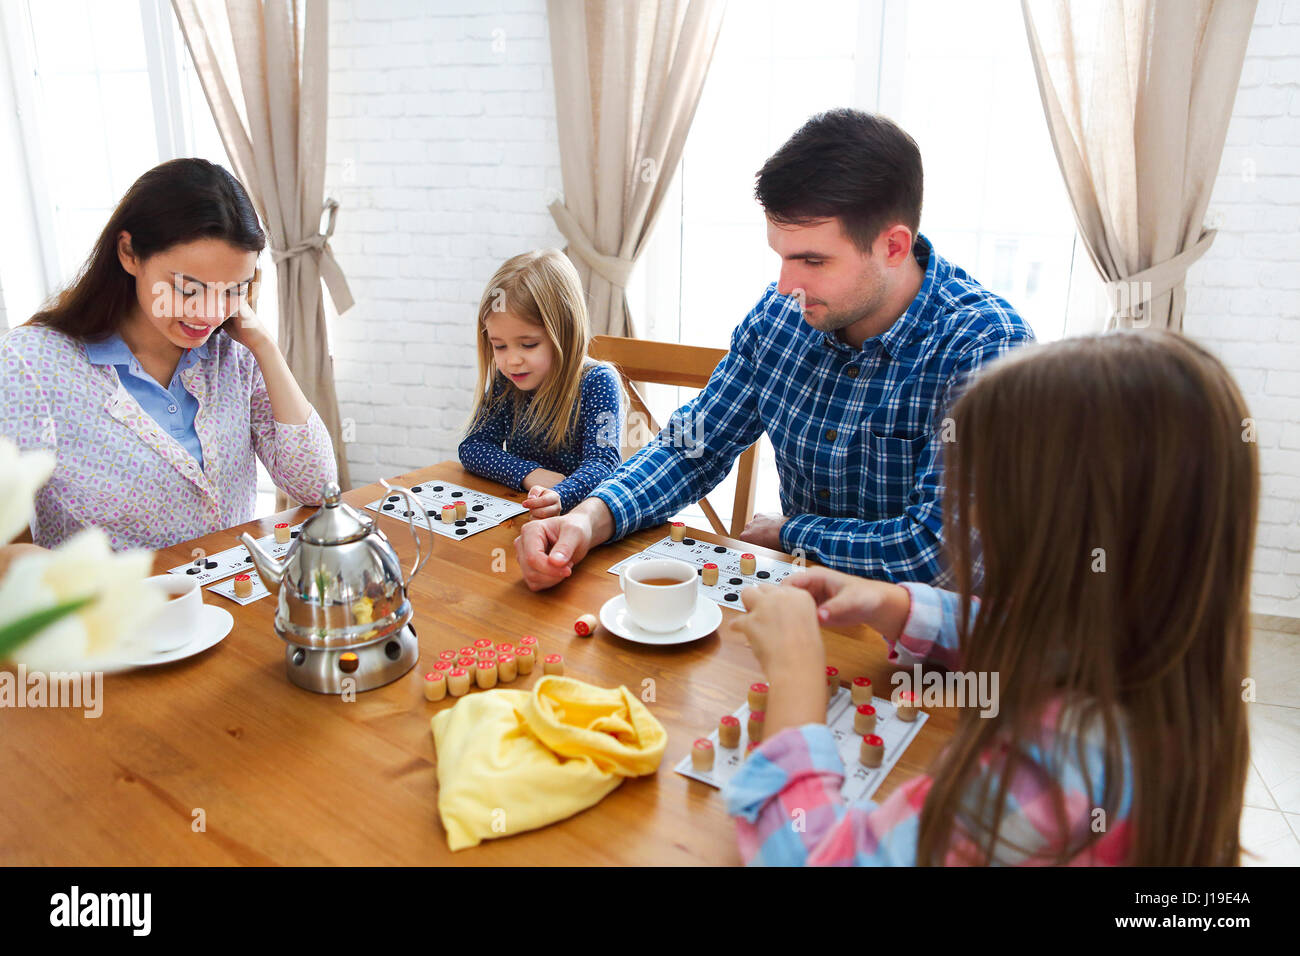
{"type": "Point", "coordinates": [844, 600]}
{"type": "Point", "coordinates": [781, 627]}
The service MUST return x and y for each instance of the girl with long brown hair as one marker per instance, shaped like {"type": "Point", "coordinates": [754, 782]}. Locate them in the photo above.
{"type": "Point", "coordinates": [1100, 503]}
{"type": "Point", "coordinates": [151, 379]}
{"type": "Point", "coordinates": [547, 419]}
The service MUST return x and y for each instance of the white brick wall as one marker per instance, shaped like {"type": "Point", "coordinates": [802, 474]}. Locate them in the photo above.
{"type": "Point", "coordinates": [1243, 298]}
{"type": "Point", "coordinates": [443, 155]}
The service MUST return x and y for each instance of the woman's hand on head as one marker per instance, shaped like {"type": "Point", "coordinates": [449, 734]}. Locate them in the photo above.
{"type": "Point", "coordinates": [246, 328]}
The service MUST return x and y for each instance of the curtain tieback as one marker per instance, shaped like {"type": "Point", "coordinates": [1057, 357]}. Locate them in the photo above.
{"type": "Point", "coordinates": [1142, 287]}
{"type": "Point", "coordinates": [318, 245]}
{"type": "Point", "coordinates": [613, 269]}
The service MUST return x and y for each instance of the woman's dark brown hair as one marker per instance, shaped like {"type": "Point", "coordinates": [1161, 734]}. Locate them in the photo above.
{"type": "Point", "coordinates": [1111, 483]}
{"type": "Point", "coordinates": [178, 201]}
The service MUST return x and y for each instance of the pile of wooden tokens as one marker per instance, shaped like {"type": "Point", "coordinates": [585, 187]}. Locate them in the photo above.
{"type": "Point", "coordinates": [872, 751]}
{"type": "Point", "coordinates": [483, 664]}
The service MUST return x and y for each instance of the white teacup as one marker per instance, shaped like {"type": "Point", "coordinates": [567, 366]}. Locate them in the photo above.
{"type": "Point", "coordinates": [660, 607]}
{"type": "Point", "coordinates": [178, 621]}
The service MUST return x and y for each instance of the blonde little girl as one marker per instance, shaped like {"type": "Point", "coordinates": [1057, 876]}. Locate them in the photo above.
{"type": "Point", "coordinates": [546, 418]}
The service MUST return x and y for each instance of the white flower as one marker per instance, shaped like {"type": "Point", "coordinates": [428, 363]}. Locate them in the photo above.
{"type": "Point", "coordinates": [106, 632]}
{"type": "Point", "coordinates": [21, 475]}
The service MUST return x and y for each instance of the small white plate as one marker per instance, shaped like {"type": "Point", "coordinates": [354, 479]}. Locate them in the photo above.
{"type": "Point", "coordinates": [704, 620]}
{"type": "Point", "coordinates": [214, 624]}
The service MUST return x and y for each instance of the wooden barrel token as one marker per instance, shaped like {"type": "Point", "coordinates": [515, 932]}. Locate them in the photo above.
{"type": "Point", "coordinates": [586, 625]}
{"type": "Point", "coordinates": [757, 721]}
{"type": "Point", "coordinates": [702, 755]}
{"type": "Point", "coordinates": [748, 565]}
{"type": "Point", "coordinates": [677, 530]}
{"type": "Point", "coordinates": [524, 660]}
{"type": "Point", "coordinates": [864, 719]}
{"type": "Point", "coordinates": [282, 533]}
{"type": "Point", "coordinates": [832, 682]}
{"type": "Point", "coordinates": [862, 691]}
{"type": "Point", "coordinates": [905, 708]}
{"type": "Point", "coordinates": [554, 664]}
{"type": "Point", "coordinates": [710, 574]}
{"type": "Point", "coordinates": [485, 675]}
{"type": "Point", "coordinates": [462, 509]}
{"type": "Point", "coordinates": [758, 696]}
{"type": "Point", "coordinates": [872, 752]}
{"type": "Point", "coordinates": [458, 682]}
{"type": "Point", "coordinates": [507, 668]}
{"type": "Point", "coordinates": [447, 655]}
{"type": "Point", "coordinates": [729, 731]}
{"type": "Point", "coordinates": [448, 514]}
{"type": "Point", "coordinates": [435, 686]}
{"type": "Point", "coordinates": [243, 585]}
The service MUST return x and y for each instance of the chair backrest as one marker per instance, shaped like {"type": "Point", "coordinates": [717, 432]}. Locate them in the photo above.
{"type": "Point", "coordinates": [667, 363]}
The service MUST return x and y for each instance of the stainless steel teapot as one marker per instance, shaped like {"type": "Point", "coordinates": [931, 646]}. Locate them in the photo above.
{"type": "Point", "coordinates": [341, 589]}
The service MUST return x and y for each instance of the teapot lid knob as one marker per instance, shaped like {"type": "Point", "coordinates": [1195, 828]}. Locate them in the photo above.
{"type": "Point", "coordinates": [331, 493]}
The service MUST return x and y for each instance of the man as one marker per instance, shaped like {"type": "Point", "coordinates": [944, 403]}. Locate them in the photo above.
{"type": "Point", "coordinates": [848, 362]}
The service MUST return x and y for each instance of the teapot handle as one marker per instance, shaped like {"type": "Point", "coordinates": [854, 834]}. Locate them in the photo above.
{"type": "Point", "coordinates": [420, 556]}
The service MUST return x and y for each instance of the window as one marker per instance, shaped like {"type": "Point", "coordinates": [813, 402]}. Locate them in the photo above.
{"type": "Point", "coordinates": [956, 75]}
{"type": "Point", "coordinates": [106, 91]}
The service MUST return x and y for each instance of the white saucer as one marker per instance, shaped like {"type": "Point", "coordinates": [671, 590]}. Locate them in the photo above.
{"type": "Point", "coordinates": [214, 624]}
{"type": "Point", "coordinates": [704, 620]}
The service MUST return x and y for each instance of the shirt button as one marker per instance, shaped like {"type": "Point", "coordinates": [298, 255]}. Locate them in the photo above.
{"type": "Point", "coordinates": [823, 494]}
{"type": "Point", "coordinates": [172, 409]}
{"type": "Point", "coordinates": [851, 371]}
{"type": "Point", "coordinates": [830, 434]}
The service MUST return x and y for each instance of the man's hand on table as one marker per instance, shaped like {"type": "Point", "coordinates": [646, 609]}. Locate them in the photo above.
{"type": "Point", "coordinates": [764, 531]}
{"type": "Point", "coordinates": [548, 549]}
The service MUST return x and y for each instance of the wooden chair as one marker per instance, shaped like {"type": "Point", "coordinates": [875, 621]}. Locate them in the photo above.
{"type": "Point", "coordinates": [666, 363]}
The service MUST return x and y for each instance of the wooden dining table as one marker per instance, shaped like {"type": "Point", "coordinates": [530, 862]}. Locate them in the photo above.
{"type": "Point", "coordinates": [280, 775]}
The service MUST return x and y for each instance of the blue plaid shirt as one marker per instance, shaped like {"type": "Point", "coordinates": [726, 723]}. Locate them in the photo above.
{"type": "Point", "coordinates": [857, 432]}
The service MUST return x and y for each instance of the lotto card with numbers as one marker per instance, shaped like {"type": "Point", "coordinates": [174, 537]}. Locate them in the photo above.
{"type": "Point", "coordinates": [207, 568]}
{"type": "Point", "coordinates": [859, 782]}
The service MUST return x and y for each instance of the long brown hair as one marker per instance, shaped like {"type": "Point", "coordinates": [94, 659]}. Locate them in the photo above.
{"type": "Point", "coordinates": [1109, 484]}
{"type": "Point", "coordinates": [542, 288]}
{"type": "Point", "coordinates": [177, 201]}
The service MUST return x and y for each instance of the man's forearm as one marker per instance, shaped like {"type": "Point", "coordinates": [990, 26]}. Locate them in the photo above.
{"type": "Point", "coordinates": [602, 522]}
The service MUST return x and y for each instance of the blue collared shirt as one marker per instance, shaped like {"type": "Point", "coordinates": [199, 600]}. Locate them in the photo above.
{"type": "Point", "coordinates": [858, 433]}
{"type": "Point", "coordinates": [173, 408]}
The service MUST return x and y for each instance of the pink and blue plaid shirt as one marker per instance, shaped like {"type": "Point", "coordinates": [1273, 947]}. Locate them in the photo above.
{"type": "Point", "coordinates": [799, 769]}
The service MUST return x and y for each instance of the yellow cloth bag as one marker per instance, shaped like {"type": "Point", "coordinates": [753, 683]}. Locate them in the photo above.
{"type": "Point", "coordinates": [514, 760]}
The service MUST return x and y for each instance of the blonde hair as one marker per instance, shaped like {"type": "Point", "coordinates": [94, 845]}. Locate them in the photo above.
{"type": "Point", "coordinates": [541, 288]}
{"type": "Point", "coordinates": [1128, 447]}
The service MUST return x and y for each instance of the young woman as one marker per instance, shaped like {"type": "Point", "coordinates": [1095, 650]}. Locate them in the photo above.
{"type": "Point", "coordinates": [153, 382]}
{"type": "Point", "coordinates": [1113, 493]}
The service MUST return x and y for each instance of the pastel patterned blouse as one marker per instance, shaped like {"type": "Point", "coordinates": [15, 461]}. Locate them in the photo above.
{"type": "Point", "coordinates": [118, 470]}
{"type": "Point", "coordinates": [789, 812]}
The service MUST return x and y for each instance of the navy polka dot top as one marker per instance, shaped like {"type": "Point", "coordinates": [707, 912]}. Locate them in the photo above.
{"type": "Point", "coordinates": [496, 450]}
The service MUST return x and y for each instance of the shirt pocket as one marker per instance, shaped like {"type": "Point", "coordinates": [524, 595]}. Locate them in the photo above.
{"type": "Point", "coordinates": [890, 470]}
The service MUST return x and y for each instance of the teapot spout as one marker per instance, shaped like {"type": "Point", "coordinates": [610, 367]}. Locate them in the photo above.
{"type": "Point", "coordinates": [269, 568]}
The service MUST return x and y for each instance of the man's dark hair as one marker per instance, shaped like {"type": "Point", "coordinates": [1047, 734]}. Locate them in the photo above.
{"type": "Point", "coordinates": [858, 167]}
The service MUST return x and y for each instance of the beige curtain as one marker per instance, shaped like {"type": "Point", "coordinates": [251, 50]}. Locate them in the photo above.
{"type": "Point", "coordinates": [628, 76]}
{"type": "Point", "coordinates": [1138, 94]}
{"type": "Point", "coordinates": [264, 69]}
